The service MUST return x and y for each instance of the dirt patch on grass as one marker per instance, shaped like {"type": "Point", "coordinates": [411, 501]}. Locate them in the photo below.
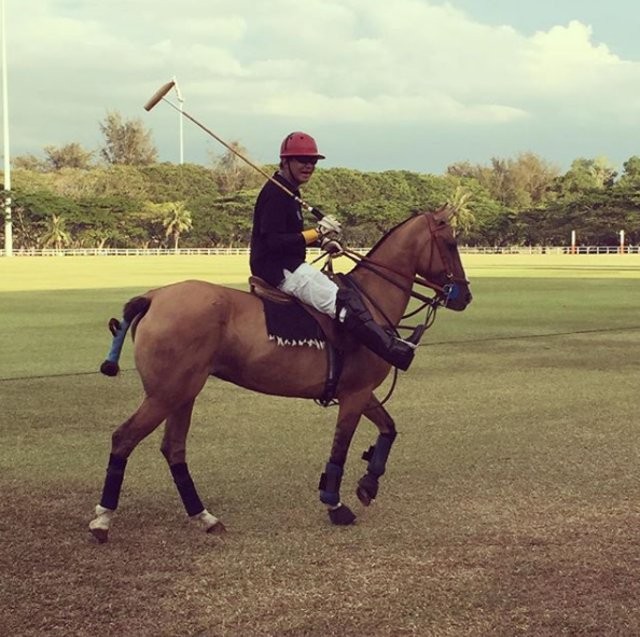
{"type": "Point", "coordinates": [542, 569]}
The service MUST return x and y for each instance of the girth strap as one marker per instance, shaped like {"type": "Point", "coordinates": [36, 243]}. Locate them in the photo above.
{"type": "Point", "coordinates": [335, 363]}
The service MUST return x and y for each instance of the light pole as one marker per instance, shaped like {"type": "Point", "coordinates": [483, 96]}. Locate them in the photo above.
{"type": "Point", "coordinates": [181, 118]}
{"type": "Point", "coordinates": [8, 225]}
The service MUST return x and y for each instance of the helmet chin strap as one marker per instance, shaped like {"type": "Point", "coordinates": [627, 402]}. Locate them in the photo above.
{"type": "Point", "coordinates": [287, 174]}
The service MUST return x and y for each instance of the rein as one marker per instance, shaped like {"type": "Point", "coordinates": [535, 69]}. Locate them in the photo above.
{"type": "Point", "coordinates": [371, 265]}
{"type": "Point", "coordinates": [442, 292]}
{"type": "Point", "coordinates": [380, 269]}
{"type": "Point", "coordinates": [431, 304]}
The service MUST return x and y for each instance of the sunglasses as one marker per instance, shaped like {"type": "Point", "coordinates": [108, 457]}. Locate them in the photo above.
{"type": "Point", "coordinates": [305, 160]}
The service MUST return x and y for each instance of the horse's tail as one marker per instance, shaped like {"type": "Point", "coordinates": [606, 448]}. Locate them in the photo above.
{"type": "Point", "coordinates": [133, 311]}
{"type": "Point", "coordinates": [137, 307]}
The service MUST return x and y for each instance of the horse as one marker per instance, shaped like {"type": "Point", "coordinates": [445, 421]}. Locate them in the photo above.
{"type": "Point", "coordinates": [186, 332]}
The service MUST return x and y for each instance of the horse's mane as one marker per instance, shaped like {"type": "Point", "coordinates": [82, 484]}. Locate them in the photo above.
{"type": "Point", "coordinates": [388, 233]}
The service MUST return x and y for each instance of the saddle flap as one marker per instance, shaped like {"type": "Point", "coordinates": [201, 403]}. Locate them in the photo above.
{"type": "Point", "coordinates": [265, 290]}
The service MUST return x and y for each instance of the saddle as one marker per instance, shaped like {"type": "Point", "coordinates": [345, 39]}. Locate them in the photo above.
{"type": "Point", "coordinates": [267, 292]}
{"type": "Point", "coordinates": [281, 308]}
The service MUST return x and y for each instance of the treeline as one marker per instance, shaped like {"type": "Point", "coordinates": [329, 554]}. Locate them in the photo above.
{"type": "Point", "coordinates": [126, 199]}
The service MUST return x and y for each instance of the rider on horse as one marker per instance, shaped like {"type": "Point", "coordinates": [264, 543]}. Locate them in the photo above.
{"type": "Point", "coordinates": [278, 252]}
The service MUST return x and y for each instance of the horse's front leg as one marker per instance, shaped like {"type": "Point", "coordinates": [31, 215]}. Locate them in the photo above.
{"type": "Point", "coordinates": [349, 414]}
{"type": "Point", "coordinates": [378, 454]}
{"type": "Point", "coordinates": [174, 449]}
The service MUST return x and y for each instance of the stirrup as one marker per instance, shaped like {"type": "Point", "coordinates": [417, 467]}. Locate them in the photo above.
{"type": "Point", "coordinates": [406, 342]}
{"type": "Point", "coordinates": [415, 337]}
{"type": "Point", "coordinates": [399, 353]}
{"type": "Point", "coordinates": [413, 340]}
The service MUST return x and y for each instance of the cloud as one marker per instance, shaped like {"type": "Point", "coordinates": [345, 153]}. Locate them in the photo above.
{"type": "Point", "coordinates": [341, 62]}
{"type": "Point", "coordinates": [564, 61]}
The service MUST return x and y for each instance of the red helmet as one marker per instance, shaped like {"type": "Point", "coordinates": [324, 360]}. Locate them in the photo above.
{"type": "Point", "coordinates": [299, 144]}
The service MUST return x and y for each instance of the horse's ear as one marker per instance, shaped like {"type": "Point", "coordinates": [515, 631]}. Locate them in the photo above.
{"type": "Point", "coordinates": [445, 213]}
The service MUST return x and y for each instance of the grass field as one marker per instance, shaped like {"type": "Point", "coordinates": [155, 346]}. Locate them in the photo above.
{"type": "Point", "coordinates": [509, 507]}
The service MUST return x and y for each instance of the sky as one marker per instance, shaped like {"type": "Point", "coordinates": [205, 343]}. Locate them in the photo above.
{"type": "Point", "coordinates": [381, 84]}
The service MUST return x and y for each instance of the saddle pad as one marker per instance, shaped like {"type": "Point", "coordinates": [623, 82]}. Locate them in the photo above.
{"type": "Point", "coordinates": [291, 324]}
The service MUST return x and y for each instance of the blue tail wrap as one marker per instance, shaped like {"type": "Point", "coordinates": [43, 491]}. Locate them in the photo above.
{"type": "Point", "coordinates": [118, 341]}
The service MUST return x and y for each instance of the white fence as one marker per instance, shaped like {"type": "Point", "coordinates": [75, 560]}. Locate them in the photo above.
{"type": "Point", "coordinates": [551, 250]}
{"type": "Point", "coordinates": [145, 252]}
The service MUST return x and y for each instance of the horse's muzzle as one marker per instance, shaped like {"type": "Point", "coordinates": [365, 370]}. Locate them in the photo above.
{"type": "Point", "coordinates": [456, 296]}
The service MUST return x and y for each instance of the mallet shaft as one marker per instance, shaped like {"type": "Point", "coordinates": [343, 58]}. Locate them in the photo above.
{"type": "Point", "coordinates": [314, 211]}
{"type": "Point", "coordinates": [160, 95]}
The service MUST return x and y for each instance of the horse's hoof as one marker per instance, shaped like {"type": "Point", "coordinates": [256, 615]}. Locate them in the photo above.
{"type": "Point", "coordinates": [367, 489]}
{"type": "Point", "coordinates": [100, 534]}
{"type": "Point", "coordinates": [342, 515]}
{"type": "Point", "coordinates": [217, 529]}
{"type": "Point", "coordinates": [109, 368]}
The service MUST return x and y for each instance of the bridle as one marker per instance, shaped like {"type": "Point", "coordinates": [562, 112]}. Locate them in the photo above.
{"type": "Point", "coordinates": [427, 303]}
{"type": "Point", "coordinates": [389, 274]}
{"type": "Point", "coordinates": [443, 292]}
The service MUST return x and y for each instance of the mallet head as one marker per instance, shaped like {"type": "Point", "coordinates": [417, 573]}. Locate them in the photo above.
{"type": "Point", "coordinates": [159, 94]}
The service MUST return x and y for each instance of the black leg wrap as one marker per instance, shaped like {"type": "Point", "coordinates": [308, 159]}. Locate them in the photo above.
{"type": "Point", "coordinates": [329, 485]}
{"type": "Point", "coordinates": [368, 454]}
{"type": "Point", "coordinates": [186, 488]}
{"type": "Point", "coordinates": [113, 482]}
{"type": "Point", "coordinates": [377, 456]}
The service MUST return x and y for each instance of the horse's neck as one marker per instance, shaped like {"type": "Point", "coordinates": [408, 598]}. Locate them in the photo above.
{"type": "Point", "coordinates": [395, 258]}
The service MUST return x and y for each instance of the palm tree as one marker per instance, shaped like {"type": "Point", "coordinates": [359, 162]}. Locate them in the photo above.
{"type": "Point", "coordinates": [56, 234]}
{"type": "Point", "coordinates": [176, 220]}
{"type": "Point", "coordinates": [460, 201]}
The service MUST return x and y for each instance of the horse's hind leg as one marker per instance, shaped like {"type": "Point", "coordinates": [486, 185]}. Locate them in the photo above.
{"type": "Point", "coordinates": [175, 452]}
{"type": "Point", "coordinates": [124, 440]}
{"type": "Point", "coordinates": [377, 454]}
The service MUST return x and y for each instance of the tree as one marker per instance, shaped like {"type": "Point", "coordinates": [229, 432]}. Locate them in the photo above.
{"type": "Point", "coordinates": [56, 234]}
{"type": "Point", "coordinates": [631, 173]}
{"type": "Point", "coordinates": [68, 156]}
{"type": "Point", "coordinates": [29, 162]}
{"type": "Point", "coordinates": [176, 220]}
{"type": "Point", "coordinates": [231, 174]}
{"type": "Point", "coordinates": [515, 183]}
{"type": "Point", "coordinates": [533, 176]}
{"type": "Point", "coordinates": [32, 212]}
{"type": "Point", "coordinates": [222, 221]}
{"type": "Point", "coordinates": [127, 141]}
{"type": "Point", "coordinates": [102, 220]}
{"type": "Point", "coordinates": [463, 218]}
{"type": "Point", "coordinates": [585, 175]}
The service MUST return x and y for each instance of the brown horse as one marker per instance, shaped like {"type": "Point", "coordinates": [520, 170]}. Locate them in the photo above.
{"type": "Point", "coordinates": [186, 332]}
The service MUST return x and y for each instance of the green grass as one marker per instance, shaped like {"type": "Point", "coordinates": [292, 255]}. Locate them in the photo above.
{"type": "Point", "coordinates": [509, 506]}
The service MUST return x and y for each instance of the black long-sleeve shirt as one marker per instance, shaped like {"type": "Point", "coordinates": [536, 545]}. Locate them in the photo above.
{"type": "Point", "coordinates": [276, 238]}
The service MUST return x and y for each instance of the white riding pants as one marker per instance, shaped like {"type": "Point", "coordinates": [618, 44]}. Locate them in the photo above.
{"type": "Point", "coordinates": [312, 287]}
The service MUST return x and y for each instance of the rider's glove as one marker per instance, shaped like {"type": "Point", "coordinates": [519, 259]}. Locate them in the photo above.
{"type": "Point", "coordinates": [331, 246]}
{"type": "Point", "coordinates": [329, 226]}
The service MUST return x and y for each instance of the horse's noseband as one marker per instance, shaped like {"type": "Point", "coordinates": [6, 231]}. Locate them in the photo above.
{"type": "Point", "coordinates": [451, 291]}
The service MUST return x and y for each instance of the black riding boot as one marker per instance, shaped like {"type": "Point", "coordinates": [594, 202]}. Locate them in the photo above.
{"type": "Point", "coordinates": [354, 315]}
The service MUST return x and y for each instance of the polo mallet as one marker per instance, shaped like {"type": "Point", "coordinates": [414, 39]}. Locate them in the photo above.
{"type": "Point", "coordinates": [160, 94]}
